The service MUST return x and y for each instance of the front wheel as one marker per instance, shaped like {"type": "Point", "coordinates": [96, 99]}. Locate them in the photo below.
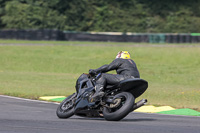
{"type": "Point", "coordinates": [66, 107]}
{"type": "Point", "coordinates": [123, 105]}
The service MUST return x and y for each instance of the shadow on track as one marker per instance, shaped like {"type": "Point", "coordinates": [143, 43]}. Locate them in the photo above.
{"type": "Point", "coordinates": [123, 120]}
{"type": "Point", "coordinates": [138, 120]}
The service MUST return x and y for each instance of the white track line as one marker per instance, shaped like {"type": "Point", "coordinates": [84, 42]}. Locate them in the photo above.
{"type": "Point", "coordinates": [27, 99]}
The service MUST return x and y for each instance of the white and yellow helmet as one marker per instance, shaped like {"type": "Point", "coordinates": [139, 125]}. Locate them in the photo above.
{"type": "Point", "coordinates": [123, 55]}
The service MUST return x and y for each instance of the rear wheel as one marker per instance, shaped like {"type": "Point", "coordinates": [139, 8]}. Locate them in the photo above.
{"type": "Point", "coordinates": [123, 105]}
{"type": "Point", "coordinates": [66, 107]}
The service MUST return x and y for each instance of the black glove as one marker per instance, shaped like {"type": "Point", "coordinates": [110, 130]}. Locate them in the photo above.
{"type": "Point", "coordinates": [92, 72]}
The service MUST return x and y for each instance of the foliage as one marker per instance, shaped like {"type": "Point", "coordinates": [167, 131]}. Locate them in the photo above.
{"type": "Point", "coordinates": [102, 15]}
{"type": "Point", "coordinates": [35, 15]}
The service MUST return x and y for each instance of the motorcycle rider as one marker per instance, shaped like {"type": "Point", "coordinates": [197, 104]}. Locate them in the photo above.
{"type": "Point", "coordinates": [125, 68]}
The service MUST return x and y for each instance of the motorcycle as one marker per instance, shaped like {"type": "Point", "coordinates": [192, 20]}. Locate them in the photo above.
{"type": "Point", "coordinates": [117, 102]}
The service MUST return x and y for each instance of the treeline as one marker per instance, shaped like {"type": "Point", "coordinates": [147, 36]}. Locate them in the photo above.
{"type": "Point", "coordinates": [153, 16]}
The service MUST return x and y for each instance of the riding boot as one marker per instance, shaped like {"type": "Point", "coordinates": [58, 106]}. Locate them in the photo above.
{"type": "Point", "coordinates": [99, 92]}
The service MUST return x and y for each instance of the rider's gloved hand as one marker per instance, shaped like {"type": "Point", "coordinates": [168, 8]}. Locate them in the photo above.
{"type": "Point", "coordinates": [92, 72]}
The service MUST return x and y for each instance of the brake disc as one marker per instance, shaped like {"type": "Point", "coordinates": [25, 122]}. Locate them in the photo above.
{"type": "Point", "coordinates": [117, 102]}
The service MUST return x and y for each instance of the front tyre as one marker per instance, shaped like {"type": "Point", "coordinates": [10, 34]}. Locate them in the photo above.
{"type": "Point", "coordinates": [66, 107]}
{"type": "Point", "coordinates": [123, 105]}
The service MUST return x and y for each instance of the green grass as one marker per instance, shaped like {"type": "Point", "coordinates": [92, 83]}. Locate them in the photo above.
{"type": "Point", "coordinates": [45, 70]}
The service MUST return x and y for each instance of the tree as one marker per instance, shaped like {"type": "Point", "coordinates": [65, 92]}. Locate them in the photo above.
{"type": "Point", "coordinates": [102, 15]}
{"type": "Point", "coordinates": [2, 11]}
{"type": "Point", "coordinates": [32, 15]}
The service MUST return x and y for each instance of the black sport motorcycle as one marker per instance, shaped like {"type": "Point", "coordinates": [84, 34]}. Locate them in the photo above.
{"type": "Point", "coordinates": [117, 103]}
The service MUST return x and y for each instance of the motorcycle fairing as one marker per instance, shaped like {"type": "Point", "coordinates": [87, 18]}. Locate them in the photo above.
{"type": "Point", "coordinates": [83, 106]}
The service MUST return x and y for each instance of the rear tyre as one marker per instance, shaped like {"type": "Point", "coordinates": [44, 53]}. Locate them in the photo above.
{"type": "Point", "coordinates": [122, 107]}
{"type": "Point", "coordinates": [66, 107]}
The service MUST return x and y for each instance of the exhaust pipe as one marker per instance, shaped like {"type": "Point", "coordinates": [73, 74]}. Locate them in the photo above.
{"type": "Point", "coordinates": [139, 104]}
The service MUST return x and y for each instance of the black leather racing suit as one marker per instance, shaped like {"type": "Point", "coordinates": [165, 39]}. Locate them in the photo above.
{"type": "Point", "coordinates": [125, 68]}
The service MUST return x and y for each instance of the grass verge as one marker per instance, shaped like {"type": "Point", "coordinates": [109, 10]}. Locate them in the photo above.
{"type": "Point", "coordinates": [48, 70]}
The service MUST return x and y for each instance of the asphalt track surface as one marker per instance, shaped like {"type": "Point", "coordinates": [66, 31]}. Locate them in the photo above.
{"type": "Point", "coordinates": [27, 116]}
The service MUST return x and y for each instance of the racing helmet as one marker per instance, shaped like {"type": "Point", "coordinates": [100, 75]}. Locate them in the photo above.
{"type": "Point", "coordinates": [123, 55]}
